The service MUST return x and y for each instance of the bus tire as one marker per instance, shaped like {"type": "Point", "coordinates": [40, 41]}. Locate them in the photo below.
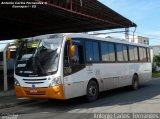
{"type": "Point", "coordinates": [135, 82]}
{"type": "Point", "coordinates": [92, 91]}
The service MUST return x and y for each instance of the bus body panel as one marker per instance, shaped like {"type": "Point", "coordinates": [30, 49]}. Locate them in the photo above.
{"type": "Point", "coordinates": [108, 79]}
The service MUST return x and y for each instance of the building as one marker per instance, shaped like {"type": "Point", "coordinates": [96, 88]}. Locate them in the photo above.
{"type": "Point", "coordinates": [130, 38]}
{"type": "Point", "coordinates": [139, 39]}
{"type": "Point", "coordinates": [156, 50]}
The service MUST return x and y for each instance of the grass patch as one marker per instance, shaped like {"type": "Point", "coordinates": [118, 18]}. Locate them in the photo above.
{"type": "Point", "coordinates": [155, 74]}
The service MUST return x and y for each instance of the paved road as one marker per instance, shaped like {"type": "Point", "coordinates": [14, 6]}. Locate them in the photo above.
{"type": "Point", "coordinates": [144, 100]}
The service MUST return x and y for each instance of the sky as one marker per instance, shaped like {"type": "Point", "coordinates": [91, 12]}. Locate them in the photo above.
{"type": "Point", "coordinates": [145, 13]}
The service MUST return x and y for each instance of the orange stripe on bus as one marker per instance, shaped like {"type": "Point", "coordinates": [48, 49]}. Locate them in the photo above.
{"type": "Point", "coordinates": [54, 92]}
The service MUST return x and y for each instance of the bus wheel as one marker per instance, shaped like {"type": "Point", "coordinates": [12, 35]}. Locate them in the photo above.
{"type": "Point", "coordinates": [92, 91]}
{"type": "Point", "coordinates": [135, 82]}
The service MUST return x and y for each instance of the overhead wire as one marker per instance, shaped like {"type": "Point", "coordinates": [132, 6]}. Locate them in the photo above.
{"type": "Point", "coordinates": [134, 32]}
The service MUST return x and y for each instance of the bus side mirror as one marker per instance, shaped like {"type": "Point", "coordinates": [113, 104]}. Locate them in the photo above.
{"type": "Point", "coordinates": [8, 54]}
{"type": "Point", "coordinates": [72, 51]}
{"type": "Point", "coordinates": [71, 48]}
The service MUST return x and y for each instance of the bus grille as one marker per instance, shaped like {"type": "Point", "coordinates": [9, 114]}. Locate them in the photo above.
{"type": "Point", "coordinates": [34, 81]}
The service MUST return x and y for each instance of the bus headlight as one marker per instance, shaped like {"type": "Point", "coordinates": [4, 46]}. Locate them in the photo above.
{"type": "Point", "coordinates": [55, 81]}
{"type": "Point", "coordinates": [16, 82]}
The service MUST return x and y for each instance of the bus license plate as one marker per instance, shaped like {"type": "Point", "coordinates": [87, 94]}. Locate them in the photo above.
{"type": "Point", "coordinates": [33, 91]}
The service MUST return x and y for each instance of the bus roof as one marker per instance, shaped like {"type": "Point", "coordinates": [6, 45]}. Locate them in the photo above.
{"type": "Point", "coordinates": [88, 36]}
{"type": "Point", "coordinates": [115, 40]}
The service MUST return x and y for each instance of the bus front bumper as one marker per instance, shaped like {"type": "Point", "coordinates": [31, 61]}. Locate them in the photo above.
{"type": "Point", "coordinates": [54, 92]}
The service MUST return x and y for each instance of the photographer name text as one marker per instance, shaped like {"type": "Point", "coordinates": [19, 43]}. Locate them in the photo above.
{"type": "Point", "coordinates": [23, 4]}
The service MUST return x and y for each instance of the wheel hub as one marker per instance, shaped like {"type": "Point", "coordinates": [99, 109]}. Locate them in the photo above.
{"type": "Point", "coordinates": [92, 91]}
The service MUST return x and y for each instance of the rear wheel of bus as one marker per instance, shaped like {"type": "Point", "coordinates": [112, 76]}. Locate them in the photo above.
{"type": "Point", "coordinates": [135, 82]}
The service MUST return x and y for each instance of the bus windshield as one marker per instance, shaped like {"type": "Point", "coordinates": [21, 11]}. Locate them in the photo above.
{"type": "Point", "coordinates": [38, 56]}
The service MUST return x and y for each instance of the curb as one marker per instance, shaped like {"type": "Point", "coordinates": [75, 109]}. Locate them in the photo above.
{"type": "Point", "coordinates": [7, 93]}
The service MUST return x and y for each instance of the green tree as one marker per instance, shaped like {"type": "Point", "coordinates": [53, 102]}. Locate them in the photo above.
{"type": "Point", "coordinates": [156, 62]}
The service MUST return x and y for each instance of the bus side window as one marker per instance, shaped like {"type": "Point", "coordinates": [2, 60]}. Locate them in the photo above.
{"type": "Point", "coordinates": [76, 63]}
{"type": "Point", "coordinates": [78, 58]}
{"type": "Point", "coordinates": [67, 68]}
{"type": "Point", "coordinates": [148, 55]}
{"type": "Point", "coordinates": [89, 51]}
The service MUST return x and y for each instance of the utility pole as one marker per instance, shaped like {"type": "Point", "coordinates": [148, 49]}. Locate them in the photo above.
{"type": "Point", "coordinates": [5, 68]}
{"type": "Point", "coordinates": [127, 33]}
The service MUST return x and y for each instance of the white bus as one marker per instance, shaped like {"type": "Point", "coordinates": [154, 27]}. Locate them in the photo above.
{"type": "Point", "coordinates": [64, 66]}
